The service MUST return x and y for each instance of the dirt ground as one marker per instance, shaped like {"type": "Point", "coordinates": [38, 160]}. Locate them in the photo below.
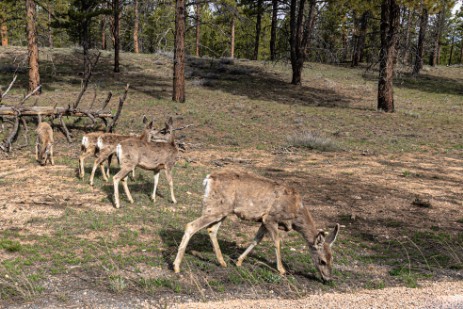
{"type": "Point", "coordinates": [365, 189]}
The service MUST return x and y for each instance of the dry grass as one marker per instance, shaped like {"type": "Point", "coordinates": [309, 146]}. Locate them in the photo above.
{"type": "Point", "coordinates": [69, 230]}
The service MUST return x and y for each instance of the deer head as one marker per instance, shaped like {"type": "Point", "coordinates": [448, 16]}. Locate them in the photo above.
{"type": "Point", "coordinates": [321, 252]}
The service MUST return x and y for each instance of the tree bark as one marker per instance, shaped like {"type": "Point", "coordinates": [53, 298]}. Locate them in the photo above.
{"type": "Point", "coordinates": [300, 32]}
{"type": "Point", "coordinates": [33, 50]}
{"type": "Point", "coordinates": [390, 18]}
{"type": "Point", "coordinates": [421, 37]}
{"type": "Point", "coordinates": [4, 33]}
{"type": "Point", "coordinates": [232, 43]}
{"type": "Point", "coordinates": [435, 52]}
{"type": "Point", "coordinates": [273, 31]}
{"type": "Point", "coordinates": [406, 53]}
{"type": "Point", "coordinates": [103, 32]}
{"type": "Point", "coordinates": [179, 53]}
{"type": "Point", "coordinates": [360, 40]}
{"type": "Point", "coordinates": [451, 51]}
{"type": "Point", "coordinates": [198, 27]}
{"type": "Point", "coordinates": [50, 30]}
{"type": "Point", "coordinates": [258, 29]}
{"type": "Point", "coordinates": [117, 43]}
{"type": "Point", "coordinates": [136, 48]}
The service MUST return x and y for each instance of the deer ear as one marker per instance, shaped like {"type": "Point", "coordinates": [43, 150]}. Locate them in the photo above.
{"type": "Point", "coordinates": [332, 237]}
{"type": "Point", "coordinates": [145, 119]}
{"type": "Point", "coordinates": [319, 240]}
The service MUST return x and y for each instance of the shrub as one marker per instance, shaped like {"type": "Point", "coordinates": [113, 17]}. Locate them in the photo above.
{"type": "Point", "coordinates": [312, 140]}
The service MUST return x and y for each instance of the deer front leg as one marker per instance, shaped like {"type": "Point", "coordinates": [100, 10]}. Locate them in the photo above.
{"type": "Point", "coordinates": [212, 230]}
{"type": "Point", "coordinates": [116, 180]}
{"type": "Point", "coordinates": [190, 230]}
{"type": "Point", "coordinates": [156, 181]}
{"type": "Point", "coordinates": [171, 184]}
{"type": "Point", "coordinates": [126, 189]}
{"type": "Point", "coordinates": [257, 239]}
{"type": "Point", "coordinates": [273, 230]}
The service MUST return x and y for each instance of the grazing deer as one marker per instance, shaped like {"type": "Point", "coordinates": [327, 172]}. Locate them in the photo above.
{"type": "Point", "coordinates": [44, 144]}
{"type": "Point", "coordinates": [255, 198]}
{"type": "Point", "coordinates": [87, 149]}
{"type": "Point", "coordinates": [155, 156]}
{"type": "Point", "coordinates": [107, 142]}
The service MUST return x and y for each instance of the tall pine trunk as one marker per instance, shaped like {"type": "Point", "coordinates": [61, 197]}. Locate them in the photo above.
{"type": "Point", "coordinates": [421, 37]}
{"type": "Point", "coordinates": [198, 27]}
{"type": "Point", "coordinates": [300, 32]}
{"type": "Point", "coordinates": [136, 48]}
{"type": "Point", "coordinates": [258, 29]}
{"type": "Point", "coordinates": [406, 53]}
{"type": "Point", "coordinates": [116, 30]}
{"type": "Point", "coordinates": [232, 38]}
{"type": "Point", "coordinates": [273, 31]}
{"type": "Point", "coordinates": [178, 94]}
{"type": "Point", "coordinates": [32, 48]}
{"type": "Point", "coordinates": [451, 51]}
{"type": "Point", "coordinates": [4, 33]}
{"type": "Point", "coordinates": [360, 39]}
{"type": "Point", "coordinates": [103, 32]}
{"type": "Point", "coordinates": [50, 30]}
{"type": "Point", "coordinates": [390, 18]}
{"type": "Point", "coordinates": [434, 59]}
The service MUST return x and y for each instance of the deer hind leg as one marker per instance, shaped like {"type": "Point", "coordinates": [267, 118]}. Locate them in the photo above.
{"type": "Point", "coordinates": [190, 230]}
{"type": "Point", "coordinates": [108, 170]}
{"type": "Point", "coordinates": [116, 179]}
{"type": "Point", "coordinates": [257, 239]}
{"type": "Point", "coordinates": [273, 231]}
{"type": "Point", "coordinates": [156, 181]}
{"type": "Point", "coordinates": [52, 161]}
{"type": "Point", "coordinates": [82, 157]}
{"type": "Point", "coordinates": [171, 184]}
{"type": "Point", "coordinates": [212, 230]}
{"type": "Point", "coordinates": [37, 151]}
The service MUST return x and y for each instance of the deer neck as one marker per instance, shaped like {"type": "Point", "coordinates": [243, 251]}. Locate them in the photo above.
{"type": "Point", "coordinates": [305, 225]}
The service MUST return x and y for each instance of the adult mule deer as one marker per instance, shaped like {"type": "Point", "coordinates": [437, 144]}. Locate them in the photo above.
{"type": "Point", "coordinates": [255, 198]}
{"type": "Point", "coordinates": [154, 156]}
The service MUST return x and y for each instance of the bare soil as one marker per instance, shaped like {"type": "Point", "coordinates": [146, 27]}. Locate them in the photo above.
{"type": "Point", "coordinates": [375, 195]}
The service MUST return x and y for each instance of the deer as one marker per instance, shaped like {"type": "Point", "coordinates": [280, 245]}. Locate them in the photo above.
{"type": "Point", "coordinates": [44, 144]}
{"type": "Point", "coordinates": [107, 142]}
{"type": "Point", "coordinates": [255, 198]}
{"type": "Point", "coordinates": [154, 156]}
{"type": "Point", "coordinates": [87, 149]}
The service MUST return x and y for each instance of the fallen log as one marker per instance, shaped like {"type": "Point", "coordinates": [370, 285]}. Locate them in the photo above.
{"type": "Point", "coordinates": [6, 110]}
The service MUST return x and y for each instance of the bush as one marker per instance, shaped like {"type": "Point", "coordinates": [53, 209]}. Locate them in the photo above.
{"type": "Point", "coordinates": [312, 140]}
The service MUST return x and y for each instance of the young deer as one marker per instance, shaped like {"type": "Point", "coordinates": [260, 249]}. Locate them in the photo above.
{"type": "Point", "coordinates": [87, 149]}
{"type": "Point", "coordinates": [153, 156]}
{"type": "Point", "coordinates": [255, 198]}
{"type": "Point", "coordinates": [44, 144]}
{"type": "Point", "coordinates": [107, 143]}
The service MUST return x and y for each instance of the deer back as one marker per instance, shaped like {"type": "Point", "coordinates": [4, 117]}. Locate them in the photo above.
{"type": "Point", "coordinates": [251, 197]}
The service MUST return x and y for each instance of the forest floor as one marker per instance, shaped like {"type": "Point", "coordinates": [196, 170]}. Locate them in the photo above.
{"type": "Point", "coordinates": [393, 181]}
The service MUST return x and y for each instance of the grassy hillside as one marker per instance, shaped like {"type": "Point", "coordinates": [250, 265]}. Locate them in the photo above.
{"type": "Point", "coordinates": [392, 180]}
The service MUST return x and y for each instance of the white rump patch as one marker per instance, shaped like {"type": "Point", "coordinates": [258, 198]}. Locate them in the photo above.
{"type": "Point", "coordinates": [119, 151]}
{"type": "Point", "coordinates": [85, 141]}
{"type": "Point", "coordinates": [99, 143]}
{"type": "Point", "coordinates": [207, 182]}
